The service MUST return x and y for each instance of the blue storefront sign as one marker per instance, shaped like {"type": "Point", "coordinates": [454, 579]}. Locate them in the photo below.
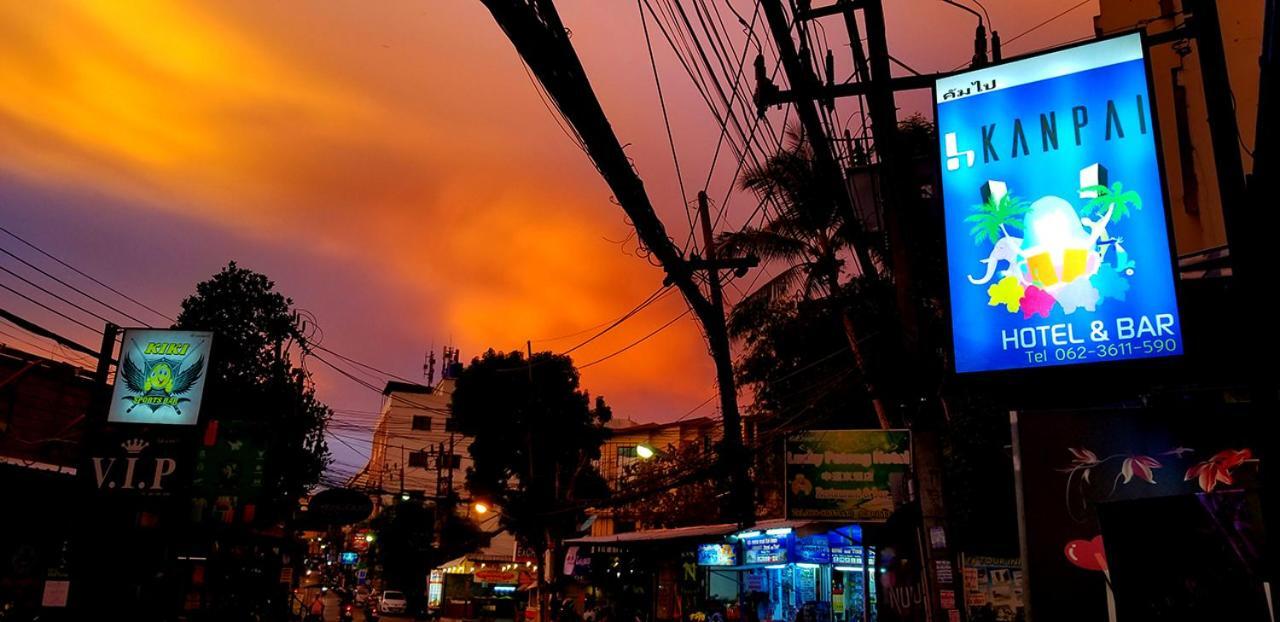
{"type": "Point", "coordinates": [766, 549]}
{"type": "Point", "coordinates": [1058, 249]}
{"type": "Point", "coordinates": [813, 550]}
{"type": "Point", "coordinates": [719, 554]}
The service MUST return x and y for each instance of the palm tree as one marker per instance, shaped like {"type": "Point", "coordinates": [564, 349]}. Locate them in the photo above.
{"type": "Point", "coordinates": [808, 235]}
{"type": "Point", "coordinates": [1115, 197]}
{"type": "Point", "coordinates": [993, 219]}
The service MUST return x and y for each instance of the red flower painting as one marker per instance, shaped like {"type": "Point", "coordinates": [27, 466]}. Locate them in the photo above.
{"type": "Point", "coordinates": [1217, 470]}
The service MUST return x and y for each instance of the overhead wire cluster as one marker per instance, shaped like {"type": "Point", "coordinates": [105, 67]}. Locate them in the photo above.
{"type": "Point", "coordinates": [69, 312]}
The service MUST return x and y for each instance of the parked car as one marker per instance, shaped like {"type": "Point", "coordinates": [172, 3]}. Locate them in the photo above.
{"type": "Point", "coordinates": [392, 601]}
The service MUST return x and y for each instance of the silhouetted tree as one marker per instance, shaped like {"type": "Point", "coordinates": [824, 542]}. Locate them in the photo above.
{"type": "Point", "coordinates": [252, 378]}
{"type": "Point", "coordinates": [537, 436]}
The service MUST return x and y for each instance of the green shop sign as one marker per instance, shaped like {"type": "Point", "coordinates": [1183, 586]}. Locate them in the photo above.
{"type": "Point", "coordinates": [857, 475]}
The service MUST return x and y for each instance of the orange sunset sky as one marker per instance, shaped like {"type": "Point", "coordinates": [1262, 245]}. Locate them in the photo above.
{"type": "Point", "coordinates": [389, 164]}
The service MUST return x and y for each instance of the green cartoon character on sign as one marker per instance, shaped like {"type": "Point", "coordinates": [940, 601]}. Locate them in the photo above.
{"type": "Point", "coordinates": [159, 382]}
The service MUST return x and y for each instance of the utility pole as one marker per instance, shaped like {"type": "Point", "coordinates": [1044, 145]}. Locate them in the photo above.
{"type": "Point", "coordinates": [745, 512]}
{"type": "Point", "coordinates": [806, 86]}
{"type": "Point", "coordinates": [1244, 219]}
{"type": "Point", "coordinates": [896, 196]}
{"type": "Point", "coordinates": [535, 29]}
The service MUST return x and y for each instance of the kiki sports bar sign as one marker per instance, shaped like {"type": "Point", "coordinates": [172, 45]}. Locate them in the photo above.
{"type": "Point", "coordinates": [161, 377]}
{"type": "Point", "coordinates": [1058, 246]}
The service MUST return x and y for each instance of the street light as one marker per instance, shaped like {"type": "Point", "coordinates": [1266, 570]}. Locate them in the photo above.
{"type": "Point", "coordinates": [644, 451]}
{"type": "Point", "coordinates": [480, 507]}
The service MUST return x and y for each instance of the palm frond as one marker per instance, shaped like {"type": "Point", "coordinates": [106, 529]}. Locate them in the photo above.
{"type": "Point", "coordinates": [768, 246]}
{"type": "Point", "coordinates": [770, 292]}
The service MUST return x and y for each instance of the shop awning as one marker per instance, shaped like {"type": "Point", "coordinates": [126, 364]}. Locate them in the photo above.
{"type": "Point", "coordinates": [656, 535]}
{"type": "Point", "coordinates": [801, 527]}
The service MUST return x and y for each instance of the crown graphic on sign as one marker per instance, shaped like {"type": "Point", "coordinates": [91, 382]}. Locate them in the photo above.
{"type": "Point", "coordinates": [134, 446]}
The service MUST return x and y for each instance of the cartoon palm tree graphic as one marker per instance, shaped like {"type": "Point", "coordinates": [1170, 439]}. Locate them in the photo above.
{"type": "Point", "coordinates": [993, 219]}
{"type": "Point", "coordinates": [1113, 203]}
{"type": "Point", "coordinates": [1114, 198]}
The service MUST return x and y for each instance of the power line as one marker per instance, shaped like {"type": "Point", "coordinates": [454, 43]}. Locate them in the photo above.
{"type": "Point", "coordinates": [49, 309]}
{"type": "Point", "coordinates": [662, 103]}
{"type": "Point", "coordinates": [638, 308]}
{"type": "Point", "coordinates": [41, 331]}
{"type": "Point", "coordinates": [71, 287]}
{"type": "Point", "coordinates": [41, 288]}
{"type": "Point", "coordinates": [364, 365]}
{"type": "Point", "coordinates": [83, 274]}
{"type": "Point", "coordinates": [636, 342]}
{"type": "Point", "coordinates": [1045, 22]}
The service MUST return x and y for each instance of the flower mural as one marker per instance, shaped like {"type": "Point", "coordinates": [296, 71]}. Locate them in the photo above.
{"type": "Point", "coordinates": [1217, 470]}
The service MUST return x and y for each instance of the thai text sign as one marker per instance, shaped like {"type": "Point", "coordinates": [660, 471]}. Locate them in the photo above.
{"type": "Point", "coordinates": [161, 377]}
{"type": "Point", "coordinates": [1058, 247]}
{"type": "Point", "coordinates": [858, 475]}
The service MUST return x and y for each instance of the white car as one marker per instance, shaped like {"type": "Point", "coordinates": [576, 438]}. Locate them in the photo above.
{"type": "Point", "coordinates": [392, 602]}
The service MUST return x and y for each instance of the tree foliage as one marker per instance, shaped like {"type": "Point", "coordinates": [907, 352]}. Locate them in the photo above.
{"type": "Point", "coordinates": [694, 503]}
{"type": "Point", "coordinates": [252, 377]}
{"type": "Point", "coordinates": [537, 436]}
{"type": "Point", "coordinates": [800, 364]}
{"type": "Point", "coordinates": [404, 546]}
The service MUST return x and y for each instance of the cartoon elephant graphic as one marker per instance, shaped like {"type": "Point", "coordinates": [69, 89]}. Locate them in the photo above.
{"type": "Point", "coordinates": [1008, 249]}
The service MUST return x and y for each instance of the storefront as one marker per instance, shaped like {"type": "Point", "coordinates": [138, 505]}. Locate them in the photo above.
{"type": "Point", "coordinates": [483, 588]}
{"type": "Point", "coordinates": [785, 571]}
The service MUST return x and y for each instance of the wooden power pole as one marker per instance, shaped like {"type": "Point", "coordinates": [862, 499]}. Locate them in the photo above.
{"type": "Point", "coordinates": [535, 29]}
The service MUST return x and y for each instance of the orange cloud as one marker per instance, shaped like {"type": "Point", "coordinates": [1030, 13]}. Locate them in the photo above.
{"type": "Point", "coordinates": [460, 190]}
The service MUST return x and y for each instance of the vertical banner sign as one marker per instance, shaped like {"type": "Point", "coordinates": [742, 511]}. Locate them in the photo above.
{"type": "Point", "coordinates": [859, 475]}
{"type": "Point", "coordinates": [161, 377]}
{"type": "Point", "coordinates": [1058, 248]}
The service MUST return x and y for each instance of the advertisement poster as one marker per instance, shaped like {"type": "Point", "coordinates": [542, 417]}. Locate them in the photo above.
{"type": "Point", "coordinates": [717, 555]}
{"type": "Point", "coordinates": [1077, 464]}
{"type": "Point", "coordinates": [161, 377]}
{"type": "Point", "coordinates": [993, 588]}
{"type": "Point", "coordinates": [859, 475]}
{"type": "Point", "coordinates": [1058, 248]}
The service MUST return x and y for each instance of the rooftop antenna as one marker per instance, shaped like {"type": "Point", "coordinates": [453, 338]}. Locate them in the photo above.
{"type": "Point", "coordinates": [429, 366]}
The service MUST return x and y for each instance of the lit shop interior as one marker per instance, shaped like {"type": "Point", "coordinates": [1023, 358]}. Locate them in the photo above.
{"type": "Point", "coordinates": [785, 575]}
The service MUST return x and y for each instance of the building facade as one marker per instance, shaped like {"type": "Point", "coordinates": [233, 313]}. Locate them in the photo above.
{"type": "Point", "coordinates": [621, 451]}
{"type": "Point", "coordinates": [416, 449]}
{"type": "Point", "coordinates": [1177, 81]}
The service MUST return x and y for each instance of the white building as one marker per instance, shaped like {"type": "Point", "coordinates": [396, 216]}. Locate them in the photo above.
{"type": "Point", "coordinates": [416, 449]}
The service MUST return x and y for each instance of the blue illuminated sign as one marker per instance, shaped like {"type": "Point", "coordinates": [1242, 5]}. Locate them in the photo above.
{"type": "Point", "coordinates": [813, 550]}
{"type": "Point", "coordinates": [1058, 248]}
{"type": "Point", "coordinates": [766, 549]}
{"type": "Point", "coordinates": [349, 557]}
{"type": "Point", "coordinates": [717, 555]}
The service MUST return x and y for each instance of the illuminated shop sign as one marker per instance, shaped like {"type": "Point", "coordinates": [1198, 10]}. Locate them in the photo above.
{"type": "Point", "coordinates": [1058, 249]}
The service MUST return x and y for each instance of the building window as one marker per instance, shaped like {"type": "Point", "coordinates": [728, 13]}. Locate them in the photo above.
{"type": "Point", "coordinates": [420, 459]}
{"type": "Point", "coordinates": [626, 457]}
{"type": "Point", "coordinates": [422, 422]}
